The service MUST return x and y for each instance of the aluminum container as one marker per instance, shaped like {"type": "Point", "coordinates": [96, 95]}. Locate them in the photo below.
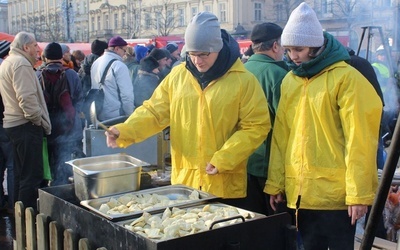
{"type": "Point", "coordinates": [106, 175]}
{"type": "Point", "coordinates": [225, 219]}
{"type": "Point", "coordinates": [177, 193]}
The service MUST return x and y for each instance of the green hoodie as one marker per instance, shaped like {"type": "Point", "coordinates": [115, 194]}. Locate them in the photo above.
{"type": "Point", "coordinates": [333, 52]}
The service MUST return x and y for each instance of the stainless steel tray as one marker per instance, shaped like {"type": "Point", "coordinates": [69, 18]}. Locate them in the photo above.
{"type": "Point", "coordinates": [173, 192]}
{"type": "Point", "coordinates": [226, 220]}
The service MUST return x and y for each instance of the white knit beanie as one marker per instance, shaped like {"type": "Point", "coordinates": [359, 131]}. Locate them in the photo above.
{"type": "Point", "coordinates": [303, 28]}
{"type": "Point", "coordinates": [203, 33]}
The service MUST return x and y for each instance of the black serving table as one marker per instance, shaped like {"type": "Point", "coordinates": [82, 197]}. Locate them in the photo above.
{"type": "Point", "coordinates": [62, 206]}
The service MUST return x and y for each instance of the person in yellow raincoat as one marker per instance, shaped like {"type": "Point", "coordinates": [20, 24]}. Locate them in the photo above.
{"type": "Point", "coordinates": [325, 136]}
{"type": "Point", "coordinates": [216, 110]}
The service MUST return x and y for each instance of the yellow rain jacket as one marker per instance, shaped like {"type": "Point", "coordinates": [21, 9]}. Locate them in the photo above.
{"type": "Point", "coordinates": [325, 140]}
{"type": "Point", "coordinates": [222, 124]}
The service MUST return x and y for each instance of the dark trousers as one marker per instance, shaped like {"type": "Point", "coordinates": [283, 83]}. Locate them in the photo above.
{"type": "Point", "coordinates": [27, 140]}
{"type": "Point", "coordinates": [323, 229]}
{"type": "Point", "coordinates": [6, 152]}
{"type": "Point", "coordinates": [256, 200]}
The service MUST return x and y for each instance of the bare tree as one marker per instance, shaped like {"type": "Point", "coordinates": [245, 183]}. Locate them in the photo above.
{"type": "Point", "coordinates": [165, 18]}
{"type": "Point", "coordinates": [287, 6]}
{"type": "Point", "coordinates": [345, 9]}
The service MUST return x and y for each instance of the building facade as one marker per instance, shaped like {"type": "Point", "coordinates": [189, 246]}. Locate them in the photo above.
{"type": "Point", "coordinates": [86, 20]}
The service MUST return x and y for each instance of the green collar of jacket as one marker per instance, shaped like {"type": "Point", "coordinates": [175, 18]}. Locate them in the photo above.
{"type": "Point", "coordinates": [265, 58]}
{"type": "Point", "coordinates": [333, 52]}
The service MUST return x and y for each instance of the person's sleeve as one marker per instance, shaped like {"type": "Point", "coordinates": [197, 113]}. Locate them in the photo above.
{"type": "Point", "coordinates": [360, 110]}
{"type": "Point", "coordinates": [252, 128]}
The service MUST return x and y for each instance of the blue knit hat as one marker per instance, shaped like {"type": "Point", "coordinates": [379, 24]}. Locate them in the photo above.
{"type": "Point", "coordinates": [140, 52]}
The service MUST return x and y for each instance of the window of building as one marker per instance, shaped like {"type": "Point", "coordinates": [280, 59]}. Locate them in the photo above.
{"type": "Point", "coordinates": [123, 19]}
{"type": "Point", "coordinates": [85, 7]}
{"type": "Point", "coordinates": [78, 9]}
{"type": "Point", "coordinates": [207, 8]}
{"type": "Point", "coordinates": [93, 22]}
{"type": "Point", "coordinates": [257, 12]}
{"type": "Point", "coordinates": [41, 5]}
{"type": "Point", "coordinates": [280, 12]}
{"type": "Point", "coordinates": [194, 10]}
{"type": "Point", "coordinates": [30, 7]}
{"type": "Point", "coordinates": [181, 17]}
{"type": "Point", "coordinates": [23, 8]}
{"type": "Point", "coordinates": [106, 22]}
{"type": "Point", "coordinates": [158, 22]}
{"type": "Point", "coordinates": [326, 6]}
{"type": "Point", "coordinates": [147, 21]}
{"type": "Point", "coordinates": [222, 12]}
{"type": "Point", "coordinates": [98, 23]}
{"type": "Point", "coordinates": [78, 33]}
{"type": "Point", "coordinates": [170, 18]}
{"type": "Point", "coordinates": [115, 21]}
{"type": "Point", "coordinates": [51, 3]}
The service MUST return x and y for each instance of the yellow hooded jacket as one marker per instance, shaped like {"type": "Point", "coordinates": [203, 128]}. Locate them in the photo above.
{"type": "Point", "coordinates": [325, 140]}
{"type": "Point", "coordinates": [222, 124]}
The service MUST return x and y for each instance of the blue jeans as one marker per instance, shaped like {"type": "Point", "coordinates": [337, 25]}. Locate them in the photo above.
{"type": "Point", "coordinates": [27, 141]}
{"type": "Point", "coordinates": [6, 153]}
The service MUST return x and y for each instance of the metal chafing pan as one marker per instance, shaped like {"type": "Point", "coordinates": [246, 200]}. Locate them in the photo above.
{"type": "Point", "coordinates": [173, 192]}
{"type": "Point", "coordinates": [101, 176]}
{"type": "Point", "coordinates": [243, 217]}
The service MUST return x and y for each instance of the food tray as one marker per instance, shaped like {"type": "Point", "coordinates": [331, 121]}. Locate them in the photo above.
{"type": "Point", "coordinates": [173, 192]}
{"type": "Point", "coordinates": [217, 215]}
{"type": "Point", "coordinates": [102, 176]}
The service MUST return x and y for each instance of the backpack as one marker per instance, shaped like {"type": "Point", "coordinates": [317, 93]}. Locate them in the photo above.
{"type": "Point", "coordinates": [59, 102]}
{"type": "Point", "coordinates": [96, 96]}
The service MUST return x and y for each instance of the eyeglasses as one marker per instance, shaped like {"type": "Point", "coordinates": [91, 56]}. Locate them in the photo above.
{"type": "Point", "coordinates": [201, 55]}
{"type": "Point", "coordinates": [123, 49]}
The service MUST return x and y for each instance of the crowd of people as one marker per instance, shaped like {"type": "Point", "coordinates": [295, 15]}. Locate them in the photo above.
{"type": "Point", "coordinates": [294, 127]}
{"type": "Point", "coordinates": [43, 105]}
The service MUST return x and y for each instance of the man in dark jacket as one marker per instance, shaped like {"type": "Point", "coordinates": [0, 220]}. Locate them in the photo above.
{"type": "Point", "coordinates": [97, 49]}
{"type": "Point", "coordinates": [267, 65]}
{"type": "Point", "coordinates": [146, 81]}
{"type": "Point", "coordinates": [62, 144]}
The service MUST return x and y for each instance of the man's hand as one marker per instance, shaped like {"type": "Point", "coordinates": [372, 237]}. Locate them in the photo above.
{"type": "Point", "coordinates": [356, 212]}
{"type": "Point", "coordinates": [211, 169]}
{"type": "Point", "coordinates": [111, 137]}
{"type": "Point", "coordinates": [275, 199]}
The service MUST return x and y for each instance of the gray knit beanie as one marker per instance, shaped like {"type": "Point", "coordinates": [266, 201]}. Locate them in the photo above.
{"type": "Point", "coordinates": [203, 33]}
{"type": "Point", "coordinates": [303, 28]}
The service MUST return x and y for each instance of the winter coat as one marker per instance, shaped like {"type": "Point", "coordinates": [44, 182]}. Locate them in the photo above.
{"type": "Point", "coordinates": [133, 68]}
{"type": "Point", "coordinates": [84, 72]}
{"type": "Point", "coordinates": [144, 86]}
{"type": "Point", "coordinates": [118, 89]}
{"type": "Point", "coordinates": [222, 124]}
{"type": "Point", "coordinates": [325, 135]}
{"type": "Point", "coordinates": [21, 92]}
{"type": "Point", "coordinates": [270, 74]}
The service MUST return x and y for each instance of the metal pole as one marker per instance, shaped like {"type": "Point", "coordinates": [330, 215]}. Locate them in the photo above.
{"type": "Point", "coordinates": [384, 186]}
{"type": "Point", "coordinates": [67, 10]}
